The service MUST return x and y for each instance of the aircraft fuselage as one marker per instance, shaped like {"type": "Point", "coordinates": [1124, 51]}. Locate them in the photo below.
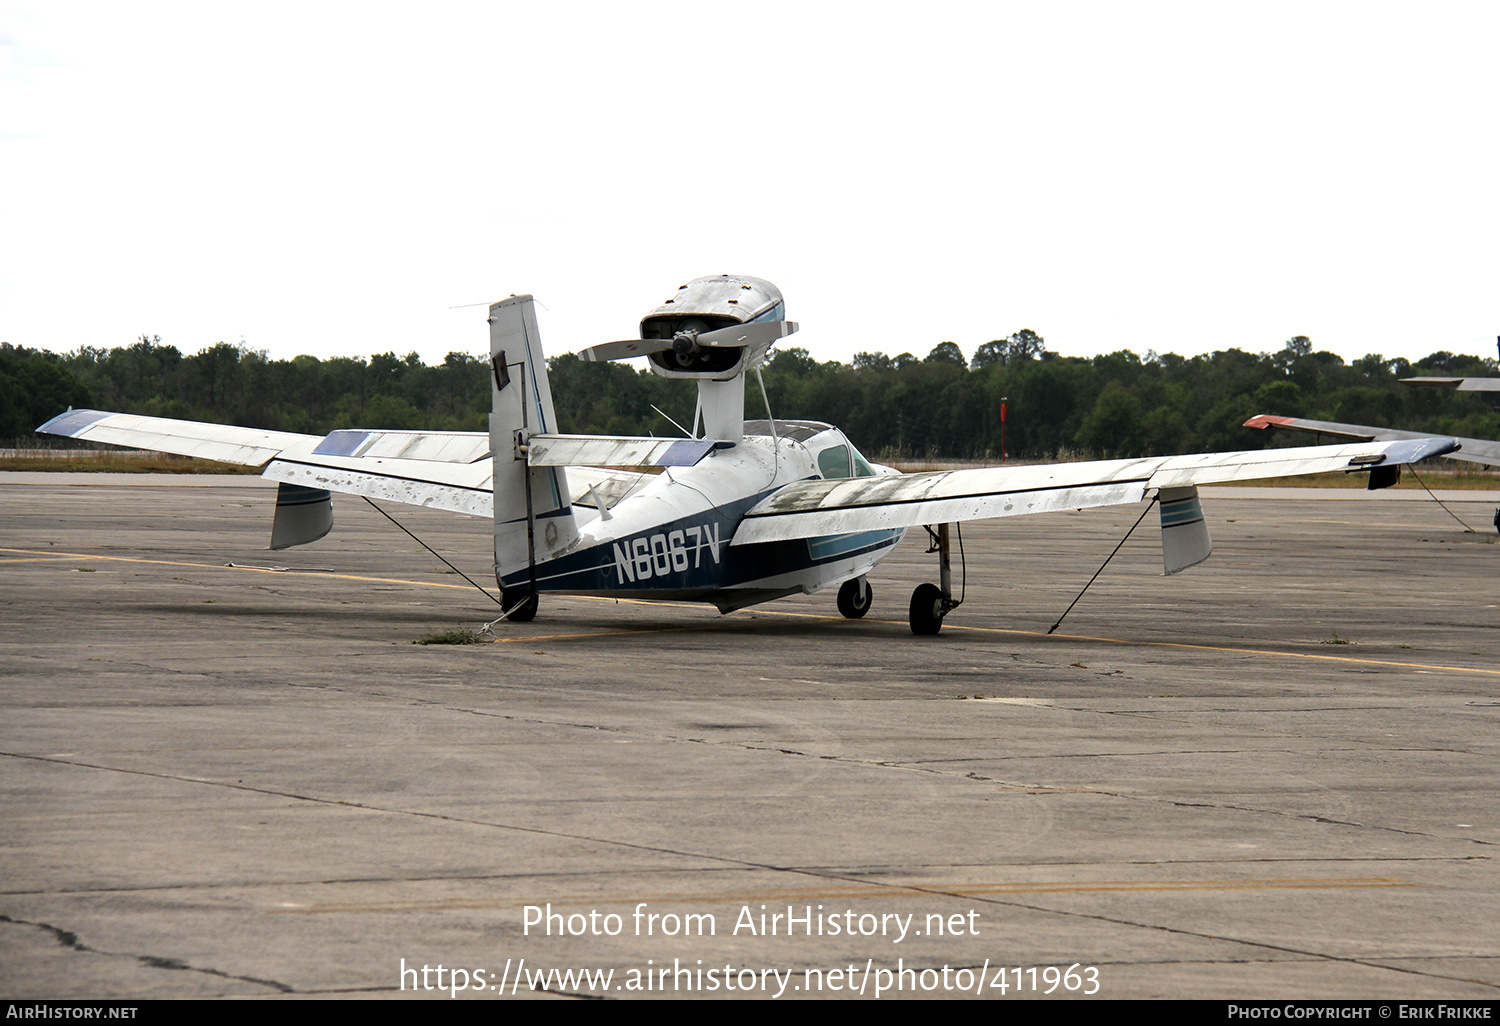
{"type": "Point", "coordinates": [671, 538]}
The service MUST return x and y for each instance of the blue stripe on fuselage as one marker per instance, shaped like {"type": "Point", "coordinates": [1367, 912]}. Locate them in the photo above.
{"type": "Point", "coordinates": [692, 554]}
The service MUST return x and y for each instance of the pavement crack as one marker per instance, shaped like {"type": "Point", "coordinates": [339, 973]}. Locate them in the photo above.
{"type": "Point", "coordinates": [69, 940]}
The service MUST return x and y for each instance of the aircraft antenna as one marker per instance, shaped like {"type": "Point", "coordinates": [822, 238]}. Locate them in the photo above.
{"type": "Point", "coordinates": [1104, 564]}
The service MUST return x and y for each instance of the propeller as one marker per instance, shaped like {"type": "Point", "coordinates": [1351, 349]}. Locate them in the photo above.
{"type": "Point", "coordinates": [692, 338]}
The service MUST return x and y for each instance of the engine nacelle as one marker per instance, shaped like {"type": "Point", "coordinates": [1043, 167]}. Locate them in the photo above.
{"type": "Point", "coordinates": [704, 305]}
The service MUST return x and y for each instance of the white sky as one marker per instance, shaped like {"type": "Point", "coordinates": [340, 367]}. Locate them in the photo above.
{"type": "Point", "coordinates": [332, 178]}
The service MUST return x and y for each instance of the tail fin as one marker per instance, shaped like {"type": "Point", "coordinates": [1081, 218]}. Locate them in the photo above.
{"type": "Point", "coordinates": [533, 511]}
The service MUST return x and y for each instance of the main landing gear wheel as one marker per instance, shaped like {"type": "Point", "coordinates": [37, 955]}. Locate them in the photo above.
{"type": "Point", "coordinates": [927, 609]}
{"type": "Point", "coordinates": [519, 608]}
{"type": "Point", "coordinates": [855, 597]}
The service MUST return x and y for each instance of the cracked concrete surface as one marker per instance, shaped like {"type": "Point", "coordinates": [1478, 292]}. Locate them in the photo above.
{"type": "Point", "coordinates": [228, 782]}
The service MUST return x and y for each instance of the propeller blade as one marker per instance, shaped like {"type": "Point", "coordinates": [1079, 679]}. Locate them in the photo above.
{"type": "Point", "coordinates": [754, 333]}
{"type": "Point", "coordinates": [751, 334]}
{"type": "Point", "coordinates": [625, 349]}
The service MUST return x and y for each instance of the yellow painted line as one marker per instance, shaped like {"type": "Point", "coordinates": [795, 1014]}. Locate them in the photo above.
{"type": "Point", "coordinates": [776, 612]}
{"type": "Point", "coordinates": [251, 569]}
{"type": "Point", "coordinates": [1225, 648]}
{"type": "Point", "coordinates": [873, 890]}
{"type": "Point", "coordinates": [539, 638]}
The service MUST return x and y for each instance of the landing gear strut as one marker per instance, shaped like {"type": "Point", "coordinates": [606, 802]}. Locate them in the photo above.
{"type": "Point", "coordinates": [931, 602]}
{"type": "Point", "coordinates": [855, 597]}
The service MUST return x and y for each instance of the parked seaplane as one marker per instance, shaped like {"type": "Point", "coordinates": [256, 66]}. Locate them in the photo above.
{"type": "Point", "coordinates": [736, 513]}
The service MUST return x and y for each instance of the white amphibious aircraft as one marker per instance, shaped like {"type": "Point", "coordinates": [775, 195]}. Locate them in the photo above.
{"type": "Point", "coordinates": [739, 512]}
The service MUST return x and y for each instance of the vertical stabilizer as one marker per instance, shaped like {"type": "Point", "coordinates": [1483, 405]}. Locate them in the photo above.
{"type": "Point", "coordinates": [533, 512]}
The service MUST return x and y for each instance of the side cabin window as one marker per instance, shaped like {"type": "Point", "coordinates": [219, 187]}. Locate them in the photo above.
{"type": "Point", "coordinates": [843, 460]}
{"type": "Point", "coordinates": [833, 462]}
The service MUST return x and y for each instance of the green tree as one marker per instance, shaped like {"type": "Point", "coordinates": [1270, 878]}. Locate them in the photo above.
{"type": "Point", "coordinates": [946, 352]}
{"type": "Point", "coordinates": [1113, 426]}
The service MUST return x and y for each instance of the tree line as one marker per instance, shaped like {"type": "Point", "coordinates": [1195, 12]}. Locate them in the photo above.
{"type": "Point", "coordinates": [942, 405]}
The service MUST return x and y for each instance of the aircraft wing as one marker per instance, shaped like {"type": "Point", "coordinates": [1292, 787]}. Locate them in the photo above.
{"type": "Point", "coordinates": [1475, 450]}
{"type": "Point", "coordinates": [813, 508]}
{"type": "Point", "coordinates": [1457, 384]}
{"type": "Point", "coordinates": [249, 447]}
{"type": "Point", "coordinates": [450, 474]}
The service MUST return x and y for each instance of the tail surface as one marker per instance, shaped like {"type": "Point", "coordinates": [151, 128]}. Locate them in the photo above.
{"type": "Point", "coordinates": [533, 511]}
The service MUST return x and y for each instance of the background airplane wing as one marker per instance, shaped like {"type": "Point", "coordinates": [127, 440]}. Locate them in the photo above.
{"type": "Point", "coordinates": [451, 474]}
{"type": "Point", "coordinates": [1457, 384]}
{"type": "Point", "coordinates": [809, 509]}
{"type": "Point", "coordinates": [1475, 450]}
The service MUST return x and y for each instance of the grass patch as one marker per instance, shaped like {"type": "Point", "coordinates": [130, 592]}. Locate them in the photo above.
{"type": "Point", "coordinates": [1437, 479]}
{"type": "Point", "coordinates": [116, 461]}
{"type": "Point", "coordinates": [459, 637]}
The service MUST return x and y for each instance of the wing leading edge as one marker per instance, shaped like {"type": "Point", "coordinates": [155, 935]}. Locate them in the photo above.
{"type": "Point", "coordinates": [810, 509]}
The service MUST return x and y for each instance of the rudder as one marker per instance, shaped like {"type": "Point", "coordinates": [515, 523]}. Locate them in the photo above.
{"type": "Point", "coordinates": [533, 511]}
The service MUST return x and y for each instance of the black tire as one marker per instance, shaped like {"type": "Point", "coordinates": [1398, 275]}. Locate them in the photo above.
{"type": "Point", "coordinates": [926, 612]}
{"type": "Point", "coordinates": [519, 608]}
{"type": "Point", "coordinates": [855, 597]}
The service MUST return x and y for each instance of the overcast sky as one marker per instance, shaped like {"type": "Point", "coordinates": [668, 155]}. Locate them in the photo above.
{"type": "Point", "coordinates": [336, 178]}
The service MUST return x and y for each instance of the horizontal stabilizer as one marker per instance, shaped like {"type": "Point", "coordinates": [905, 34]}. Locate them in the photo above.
{"type": "Point", "coordinates": [623, 451]}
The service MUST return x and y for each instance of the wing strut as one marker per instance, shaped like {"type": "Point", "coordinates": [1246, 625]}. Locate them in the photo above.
{"type": "Point", "coordinates": [1455, 516]}
{"type": "Point", "coordinates": [435, 552]}
{"type": "Point", "coordinates": [1105, 563]}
